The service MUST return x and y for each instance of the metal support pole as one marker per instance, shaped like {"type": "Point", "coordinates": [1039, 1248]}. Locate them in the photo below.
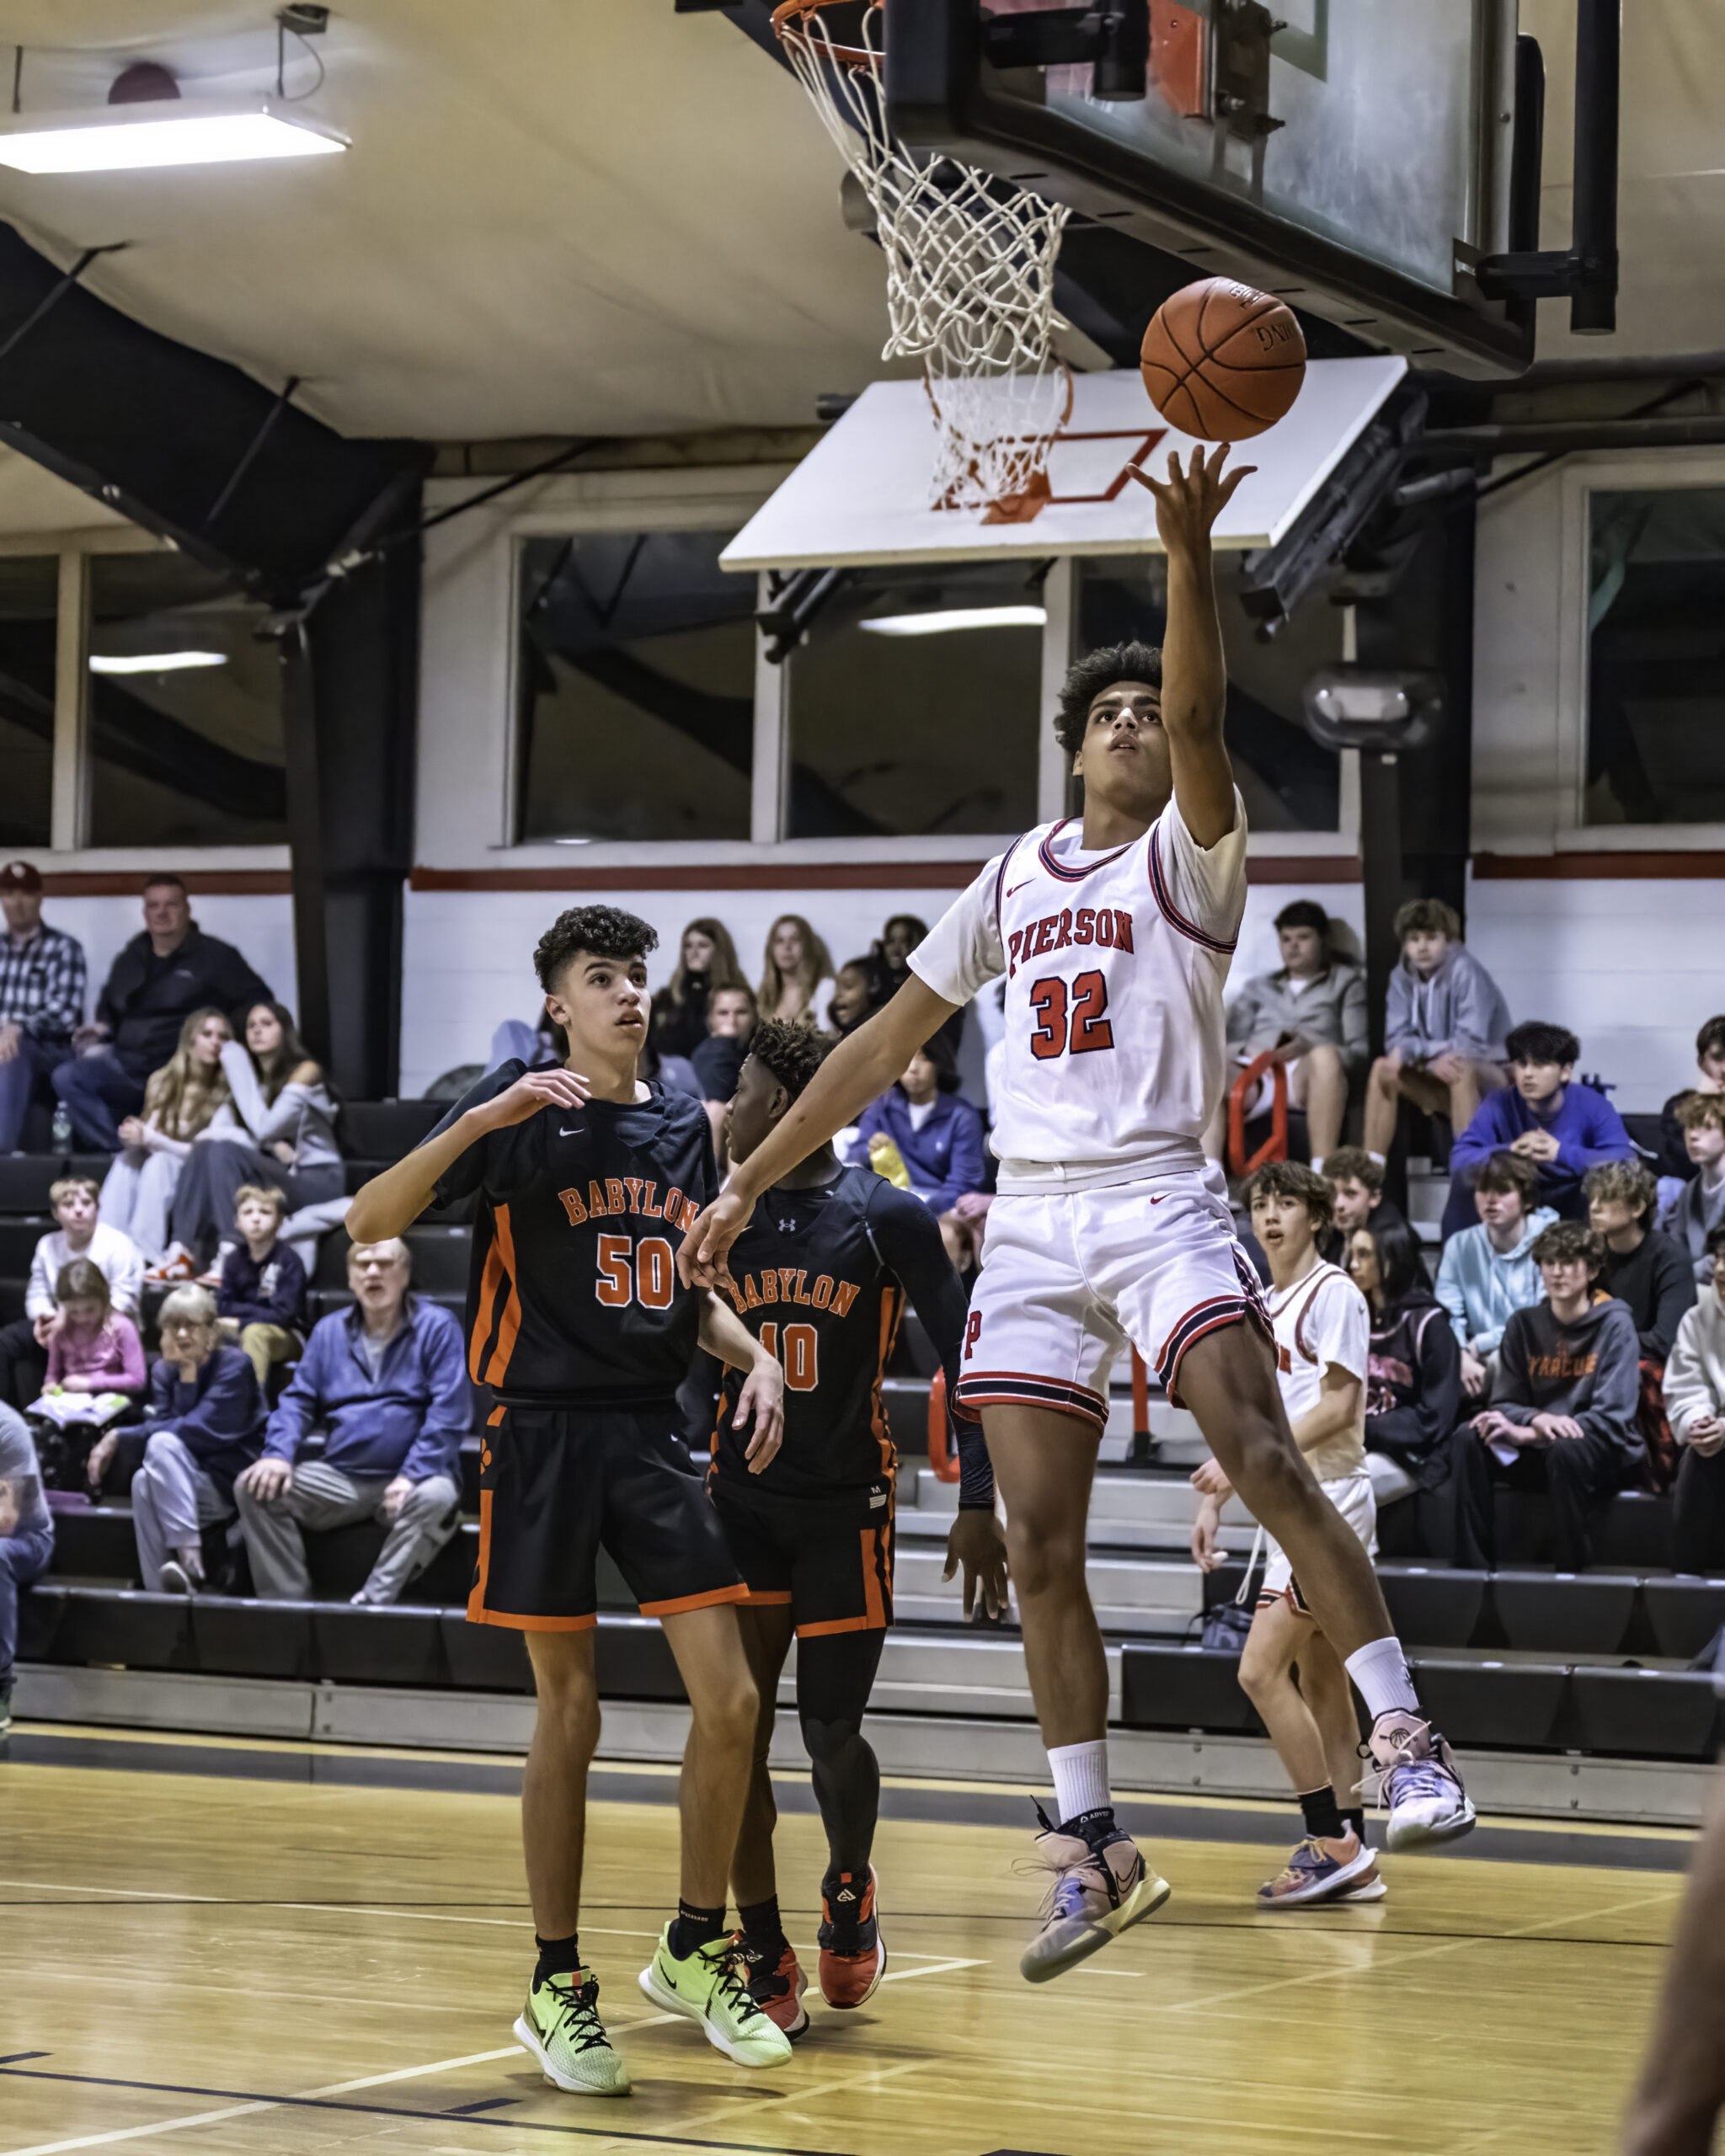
{"type": "Point", "coordinates": [1381, 873]}
{"type": "Point", "coordinates": [69, 813]}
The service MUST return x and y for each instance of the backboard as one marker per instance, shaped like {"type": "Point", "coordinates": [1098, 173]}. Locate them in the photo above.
{"type": "Point", "coordinates": [861, 495]}
{"type": "Point", "coordinates": [1354, 159]}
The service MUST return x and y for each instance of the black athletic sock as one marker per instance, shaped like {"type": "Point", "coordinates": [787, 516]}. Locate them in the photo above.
{"type": "Point", "coordinates": [1322, 1813]}
{"type": "Point", "coordinates": [557, 1957]}
{"type": "Point", "coordinates": [694, 1927]}
{"type": "Point", "coordinates": [762, 1924]}
{"type": "Point", "coordinates": [1353, 1817]}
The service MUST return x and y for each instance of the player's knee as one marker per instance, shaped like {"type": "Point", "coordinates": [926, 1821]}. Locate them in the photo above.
{"type": "Point", "coordinates": [1043, 1554]}
{"type": "Point", "coordinates": [1262, 1672]}
{"type": "Point", "coordinates": [727, 1711]}
{"type": "Point", "coordinates": [827, 1741]}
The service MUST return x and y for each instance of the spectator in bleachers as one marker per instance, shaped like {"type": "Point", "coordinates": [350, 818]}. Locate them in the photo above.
{"type": "Point", "coordinates": [1311, 1014]}
{"type": "Point", "coordinates": [719, 1059]}
{"type": "Point", "coordinates": [387, 1380]}
{"type": "Point", "coordinates": [1695, 1401]}
{"type": "Point", "coordinates": [277, 1126]}
{"type": "Point", "coordinates": [26, 1539]}
{"type": "Point", "coordinates": [260, 1289]}
{"type": "Point", "coordinates": [889, 959]}
{"type": "Point", "coordinates": [1563, 1418]}
{"type": "Point", "coordinates": [1444, 1028]}
{"type": "Point", "coordinates": [78, 1233]}
{"type": "Point", "coordinates": [1701, 1205]}
{"type": "Point", "coordinates": [1413, 1392]}
{"type": "Point", "coordinates": [1674, 1158]}
{"type": "Point", "coordinates": [41, 999]}
{"type": "Point", "coordinates": [1545, 1117]}
{"type": "Point", "coordinates": [203, 1427]}
{"type": "Point", "coordinates": [850, 1003]}
{"type": "Point", "coordinates": [1487, 1274]}
{"type": "Point", "coordinates": [162, 979]}
{"type": "Point", "coordinates": [179, 1102]}
{"type": "Point", "coordinates": [706, 960]}
{"type": "Point", "coordinates": [1357, 1182]}
{"type": "Point", "coordinates": [935, 1135]}
{"type": "Point", "coordinates": [1650, 1274]}
{"type": "Point", "coordinates": [95, 1348]}
{"type": "Point", "coordinates": [796, 974]}
{"type": "Point", "coordinates": [675, 1073]}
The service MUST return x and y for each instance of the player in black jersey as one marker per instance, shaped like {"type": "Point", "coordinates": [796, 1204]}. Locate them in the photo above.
{"type": "Point", "coordinates": [820, 1277]}
{"type": "Point", "coordinates": [581, 1327]}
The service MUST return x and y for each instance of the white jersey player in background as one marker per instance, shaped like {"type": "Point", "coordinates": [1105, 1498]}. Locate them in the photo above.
{"type": "Point", "coordinates": [1114, 934]}
{"type": "Point", "coordinates": [1322, 1332]}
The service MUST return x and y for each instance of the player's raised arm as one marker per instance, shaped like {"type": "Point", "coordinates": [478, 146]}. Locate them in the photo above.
{"type": "Point", "coordinates": [390, 1204]}
{"type": "Point", "coordinates": [859, 1070]}
{"type": "Point", "coordinates": [1194, 690]}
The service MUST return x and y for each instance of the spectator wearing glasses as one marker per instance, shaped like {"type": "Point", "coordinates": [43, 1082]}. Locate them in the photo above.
{"type": "Point", "coordinates": [162, 977]}
{"type": "Point", "coordinates": [41, 999]}
{"type": "Point", "coordinates": [387, 1380]}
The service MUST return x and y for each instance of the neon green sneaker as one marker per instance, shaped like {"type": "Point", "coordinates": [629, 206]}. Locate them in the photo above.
{"type": "Point", "coordinates": [711, 1987]}
{"type": "Point", "coordinates": [560, 2025]}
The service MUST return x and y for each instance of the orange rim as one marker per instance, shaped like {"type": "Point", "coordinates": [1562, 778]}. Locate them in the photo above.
{"type": "Point", "coordinates": [848, 56]}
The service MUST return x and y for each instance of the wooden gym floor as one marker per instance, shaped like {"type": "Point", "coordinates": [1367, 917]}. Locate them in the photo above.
{"type": "Point", "coordinates": [214, 1949]}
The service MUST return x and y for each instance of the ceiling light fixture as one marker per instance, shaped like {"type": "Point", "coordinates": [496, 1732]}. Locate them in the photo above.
{"type": "Point", "coordinates": [958, 617]}
{"type": "Point", "coordinates": [129, 137]}
{"type": "Point", "coordinates": [154, 662]}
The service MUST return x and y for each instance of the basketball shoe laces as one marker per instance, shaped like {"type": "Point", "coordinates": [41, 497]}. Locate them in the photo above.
{"type": "Point", "coordinates": [764, 1980]}
{"type": "Point", "coordinates": [578, 2012]}
{"type": "Point", "coordinates": [1414, 1777]}
{"type": "Point", "coordinates": [1073, 1877]}
{"type": "Point", "coordinates": [732, 1984]}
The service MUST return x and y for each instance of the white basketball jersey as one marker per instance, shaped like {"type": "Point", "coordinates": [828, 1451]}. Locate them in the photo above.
{"type": "Point", "coordinates": [1114, 1044]}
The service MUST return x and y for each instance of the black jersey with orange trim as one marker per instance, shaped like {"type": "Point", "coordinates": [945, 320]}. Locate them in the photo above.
{"type": "Point", "coordinates": [574, 1295]}
{"type": "Point", "coordinates": [821, 1276]}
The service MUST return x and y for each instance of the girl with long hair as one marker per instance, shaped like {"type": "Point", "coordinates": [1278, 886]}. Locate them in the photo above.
{"type": "Point", "coordinates": [181, 1100]}
{"type": "Point", "coordinates": [278, 1128]}
{"type": "Point", "coordinates": [707, 962]}
{"type": "Point", "coordinates": [1413, 1396]}
{"type": "Point", "coordinates": [797, 968]}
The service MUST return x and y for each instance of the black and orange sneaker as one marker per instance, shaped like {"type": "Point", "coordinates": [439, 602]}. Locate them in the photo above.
{"type": "Point", "coordinates": [776, 1983]}
{"type": "Point", "coordinates": [852, 1952]}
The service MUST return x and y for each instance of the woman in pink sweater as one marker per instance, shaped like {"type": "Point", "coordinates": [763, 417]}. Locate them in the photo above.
{"type": "Point", "coordinates": [94, 1347]}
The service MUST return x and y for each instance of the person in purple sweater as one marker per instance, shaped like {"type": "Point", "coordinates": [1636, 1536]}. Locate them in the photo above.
{"type": "Point", "coordinates": [1563, 1128]}
{"type": "Point", "coordinates": [938, 1136]}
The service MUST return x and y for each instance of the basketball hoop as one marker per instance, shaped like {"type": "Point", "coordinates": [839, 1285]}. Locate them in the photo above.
{"type": "Point", "coordinates": [970, 279]}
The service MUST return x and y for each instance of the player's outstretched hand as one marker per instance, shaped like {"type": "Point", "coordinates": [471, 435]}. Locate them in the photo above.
{"type": "Point", "coordinates": [535, 1090]}
{"type": "Point", "coordinates": [1192, 497]}
{"type": "Point", "coordinates": [977, 1543]}
{"type": "Point", "coordinates": [704, 1253]}
{"type": "Point", "coordinates": [762, 1400]}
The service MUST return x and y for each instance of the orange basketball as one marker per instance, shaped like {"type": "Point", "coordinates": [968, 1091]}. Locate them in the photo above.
{"type": "Point", "coordinates": [1222, 362]}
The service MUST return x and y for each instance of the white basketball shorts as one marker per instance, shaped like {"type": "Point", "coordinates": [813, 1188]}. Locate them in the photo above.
{"type": "Point", "coordinates": [1355, 1498]}
{"type": "Point", "coordinates": [1071, 1277]}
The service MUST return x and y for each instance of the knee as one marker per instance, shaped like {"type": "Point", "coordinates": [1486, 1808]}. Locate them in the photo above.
{"type": "Point", "coordinates": [427, 1502]}
{"type": "Point", "coordinates": [728, 1711]}
{"type": "Point", "coordinates": [568, 1707]}
{"type": "Point", "coordinates": [163, 1448]}
{"type": "Point", "coordinates": [1261, 1673]}
{"type": "Point", "coordinates": [1385, 1077]}
{"type": "Point", "coordinates": [827, 1741]}
{"type": "Point", "coordinates": [1266, 1468]}
{"type": "Point", "coordinates": [1043, 1556]}
{"type": "Point", "coordinates": [1323, 1059]}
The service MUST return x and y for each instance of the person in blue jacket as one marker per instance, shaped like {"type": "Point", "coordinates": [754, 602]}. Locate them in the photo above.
{"type": "Point", "coordinates": [938, 1137]}
{"type": "Point", "coordinates": [1543, 1115]}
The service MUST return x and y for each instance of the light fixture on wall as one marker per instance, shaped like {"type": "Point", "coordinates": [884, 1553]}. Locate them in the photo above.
{"type": "Point", "coordinates": [956, 617]}
{"type": "Point", "coordinates": [154, 662]}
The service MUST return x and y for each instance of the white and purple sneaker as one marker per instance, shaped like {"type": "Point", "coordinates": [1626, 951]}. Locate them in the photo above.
{"type": "Point", "coordinates": [1417, 1779]}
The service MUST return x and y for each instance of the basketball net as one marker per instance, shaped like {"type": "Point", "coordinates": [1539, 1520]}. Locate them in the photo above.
{"type": "Point", "coordinates": [969, 280]}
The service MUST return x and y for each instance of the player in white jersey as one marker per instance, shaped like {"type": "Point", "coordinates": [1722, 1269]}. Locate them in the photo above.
{"type": "Point", "coordinates": [1322, 1332]}
{"type": "Point", "coordinates": [1115, 934]}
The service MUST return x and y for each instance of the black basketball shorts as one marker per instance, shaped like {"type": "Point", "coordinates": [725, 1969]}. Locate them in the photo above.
{"type": "Point", "coordinates": [555, 1484]}
{"type": "Point", "coordinates": [831, 1560]}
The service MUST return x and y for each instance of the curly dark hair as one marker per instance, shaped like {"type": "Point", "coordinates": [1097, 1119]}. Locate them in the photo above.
{"type": "Point", "coordinates": [1565, 1240]}
{"type": "Point", "coordinates": [1099, 670]}
{"type": "Point", "coordinates": [1294, 1179]}
{"type": "Point", "coordinates": [603, 931]}
{"type": "Point", "coordinates": [792, 1053]}
{"type": "Point", "coordinates": [1537, 1042]}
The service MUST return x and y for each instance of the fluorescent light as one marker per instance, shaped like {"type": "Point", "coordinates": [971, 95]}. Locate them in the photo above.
{"type": "Point", "coordinates": [958, 617]}
{"type": "Point", "coordinates": [155, 662]}
{"type": "Point", "coordinates": [176, 131]}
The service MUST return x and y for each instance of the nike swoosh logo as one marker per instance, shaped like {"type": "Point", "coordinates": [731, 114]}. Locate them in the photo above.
{"type": "Point", "coordinates": [1024, 886]}
{"type": "Point", "coordinates": [575, 1133]}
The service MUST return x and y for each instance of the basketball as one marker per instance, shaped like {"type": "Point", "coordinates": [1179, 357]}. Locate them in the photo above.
{"type": "Point", "coordinates": [1222, 362]}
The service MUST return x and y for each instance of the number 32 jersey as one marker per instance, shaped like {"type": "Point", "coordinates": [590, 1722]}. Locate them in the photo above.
{"type": "Point", "coordinates": [1115, 963]}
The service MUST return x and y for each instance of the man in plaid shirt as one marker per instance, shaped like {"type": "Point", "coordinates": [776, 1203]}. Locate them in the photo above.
{"type": "Point", "coordinates": [41, 998]}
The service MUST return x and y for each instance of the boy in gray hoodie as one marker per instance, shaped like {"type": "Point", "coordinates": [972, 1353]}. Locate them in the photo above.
{"type": "Point", "coordinates": [1564, 1405]}
{"type": "Point", "coordinates": [1445, 1025]}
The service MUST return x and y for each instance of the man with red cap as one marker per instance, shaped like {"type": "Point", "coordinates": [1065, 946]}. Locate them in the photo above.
{"type": "Point", "coordinates": [41, 998]}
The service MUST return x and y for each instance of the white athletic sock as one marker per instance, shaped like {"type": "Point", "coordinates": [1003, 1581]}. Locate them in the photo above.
{"type": "Point", "coordinates": [1080, 1773]}
{"type": "Point", "coordinates": [1380, 1669]}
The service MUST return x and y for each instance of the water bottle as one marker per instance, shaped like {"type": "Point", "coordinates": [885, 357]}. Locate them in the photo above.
{"type": "Point", "coordinates": [62, 1130]}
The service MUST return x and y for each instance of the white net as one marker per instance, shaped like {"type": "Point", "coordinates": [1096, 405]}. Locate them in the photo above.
{"type": "Point", "coordinates": [970, 279]}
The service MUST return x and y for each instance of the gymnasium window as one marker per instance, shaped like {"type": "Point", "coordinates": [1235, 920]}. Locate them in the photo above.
{"type": "Point", "coordinates": [29, 594]}
{"type": "Point", "coordinates": [186, 750]}
{"type": "Point", "coordinates": [635, 688]}
{"type": "Point", "coordinates": [1289, 783]}
{"type": "Point", "coordinates": [1656, 648]}
{"type": "Point", "coordinates": [897, 731]}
